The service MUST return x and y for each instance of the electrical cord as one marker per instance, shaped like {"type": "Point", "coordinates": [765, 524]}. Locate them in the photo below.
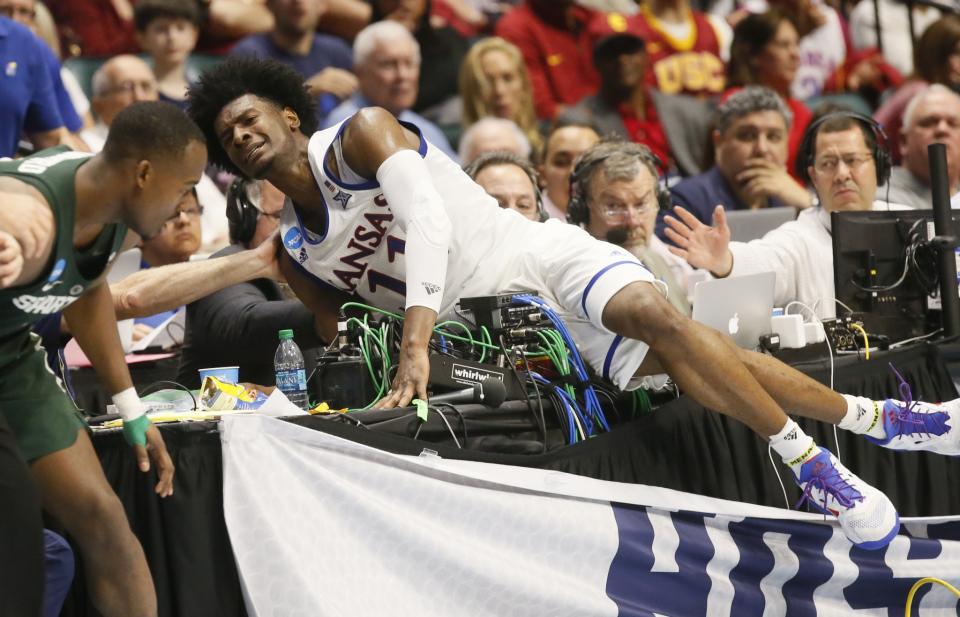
{"type": "Point", "coordinates": [836, 437]}
{"type": "Point", "coordinates": [923, 581]}
{"type": "Point", "coordinates": [536, 388]}
{"type": "Point", "coordinates": [523, 386]}
{"type": "Point", "coordinates": [463, 421]}
{"type": "Point", "coordinates": [148, 389]}
{"type": "Point", "coordinates": [866, 340]}
{"type": "Point", "coordinates": [447, 423]}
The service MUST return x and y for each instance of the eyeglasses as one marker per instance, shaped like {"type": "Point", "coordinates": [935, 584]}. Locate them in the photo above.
{"type": "Point", "coordinates": [192, 213]}
{"type": "Point", "coordinates": [829, 164]}
{"type": "Point", "coordinates": [619, 212]}
{"type": "Point", "coordinates": [130, 87]}
{"type": "Point", "coordinates": [14, 12]}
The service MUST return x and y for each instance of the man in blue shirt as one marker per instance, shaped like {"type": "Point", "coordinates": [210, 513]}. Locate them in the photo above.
{"type": "Point", "coordinates": [27, 100]}
{"type": "Point", "coordinates": [324, 61]}
{"type": "Point", "coordinates": [25, 12]}
{"type": "Point", "coordinates": [750, 142]}
{"type": "Point", "coordinates": [386, 59]}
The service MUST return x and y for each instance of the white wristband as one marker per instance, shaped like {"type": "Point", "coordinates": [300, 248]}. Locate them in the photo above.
{"type": "Point", "coordinates": [128, 404]}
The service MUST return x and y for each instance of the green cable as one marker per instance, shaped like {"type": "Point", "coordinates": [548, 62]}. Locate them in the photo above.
{"type": "Point", "coordinates": [371, 309]}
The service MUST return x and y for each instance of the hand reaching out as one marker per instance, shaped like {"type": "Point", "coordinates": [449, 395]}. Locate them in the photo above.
{"type": "Point", "coordinates": [701, 245]}
{"type": "Point", "coordinates": [11, 259]}
{"type": "Point", "coordinates": [29, 222]}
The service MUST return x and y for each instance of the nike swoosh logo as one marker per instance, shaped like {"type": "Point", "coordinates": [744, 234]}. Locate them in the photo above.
{"type": "Point", "coordinates": [48, 286]}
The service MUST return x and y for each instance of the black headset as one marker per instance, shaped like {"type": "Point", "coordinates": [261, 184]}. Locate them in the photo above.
{"type": "Point", "coordinates": [880, 151]}
{"type": "Point", "coordinates": [243, 210]}
{"type": "Point", "coordinates": [578, 212]}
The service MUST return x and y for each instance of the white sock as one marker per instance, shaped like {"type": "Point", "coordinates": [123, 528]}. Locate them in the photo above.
{"type": "Point", "coordinates": [793, 445]}
{"type": "Point", "coordinates": [863, 416]}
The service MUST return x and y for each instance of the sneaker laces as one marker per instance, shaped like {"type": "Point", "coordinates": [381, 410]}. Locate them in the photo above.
{"type": "Point", "coordinates": [830, 481]}
{"type": "Point", "coordinates": [913, 422]}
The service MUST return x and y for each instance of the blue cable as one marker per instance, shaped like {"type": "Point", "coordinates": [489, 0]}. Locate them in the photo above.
{"type": "Point", "coordinates": [569, 406]}
{"type": "Point", "coordinates": [589, 395]}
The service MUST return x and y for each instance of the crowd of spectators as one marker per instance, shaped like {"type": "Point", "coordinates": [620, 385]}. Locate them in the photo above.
{"type": "Point", "coordinates": [721, 92]}
{"type": "Point", "coordinates": [646, 71]}
{"type": "Point", "coordinates": [703, 104]}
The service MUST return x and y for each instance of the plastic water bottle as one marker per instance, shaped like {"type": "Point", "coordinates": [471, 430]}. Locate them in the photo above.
{"type": "Point", "coordinates": [289, 369]}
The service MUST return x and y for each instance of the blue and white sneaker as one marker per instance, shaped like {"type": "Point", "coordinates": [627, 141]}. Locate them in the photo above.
{"type": "Point", "coordinates": [866, 515]}
{"type": "Point", "coordinates": [915, 425]}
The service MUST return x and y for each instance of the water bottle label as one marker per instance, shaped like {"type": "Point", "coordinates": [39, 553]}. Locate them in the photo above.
{"type": "Point", "coordinates": [292, 381]}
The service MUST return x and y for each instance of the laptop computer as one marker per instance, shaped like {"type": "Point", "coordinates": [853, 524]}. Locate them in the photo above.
{"type": "Point", "coordinates": [739, 306]}
{"type": "Point", "coordinates": [746, 225]}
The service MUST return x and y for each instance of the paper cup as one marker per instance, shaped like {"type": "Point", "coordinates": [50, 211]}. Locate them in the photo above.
{"type": "Point", "coordinates": [229, 374]}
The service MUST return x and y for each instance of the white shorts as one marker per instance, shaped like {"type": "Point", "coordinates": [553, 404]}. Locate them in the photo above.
{"type": "Point", "coordinates": [577, 275]}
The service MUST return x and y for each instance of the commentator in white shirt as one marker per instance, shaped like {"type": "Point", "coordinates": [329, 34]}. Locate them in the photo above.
{"type": "Point", "coordinates": [843, 163]}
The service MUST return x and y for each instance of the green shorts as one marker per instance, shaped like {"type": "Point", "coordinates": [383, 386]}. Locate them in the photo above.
{"type": "Point", "coordinates": [43, 417]}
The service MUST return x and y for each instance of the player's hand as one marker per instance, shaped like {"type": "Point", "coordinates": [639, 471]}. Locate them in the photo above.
{"type": "Point", "coordinates": [11, 260]}
{"type": "Point", "coordinates": [29, 222]}
{"type": "Point", "coordinates": [156, 450]}
{"type": "Point", "coordinates": [337, 82]}
{"type": "Point", "coordinates": [703, 246]}
{"type": "Point", "coordinates": [763, 179]}
{"type": "Point", "coordinates": [411, 379]}
{"type": "Point", "coordinates": [265, 257]}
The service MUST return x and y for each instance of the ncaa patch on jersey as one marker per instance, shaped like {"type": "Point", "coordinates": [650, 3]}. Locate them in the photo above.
{"type": "Point", "coordinates": [293, 239]}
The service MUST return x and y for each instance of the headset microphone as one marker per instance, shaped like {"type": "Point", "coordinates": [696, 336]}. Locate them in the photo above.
{"type": "Point", "coordinates": [618, 236]}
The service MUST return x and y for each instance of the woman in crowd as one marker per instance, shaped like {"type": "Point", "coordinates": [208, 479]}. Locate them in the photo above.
{"type": "Point", "coordinates": [494, 82]}
{"type": "Point", "coordinates": [765, 52]}
{"type": "Point", "coordinates": [936, 61]}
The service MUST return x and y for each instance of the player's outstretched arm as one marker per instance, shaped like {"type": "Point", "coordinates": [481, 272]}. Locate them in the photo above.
{"type": "Point", "coordinates": [376, 145]}
{"type": "Point", "coordinates": [92, 320]}
{"type": "Point", "coordinates": [155, 290]}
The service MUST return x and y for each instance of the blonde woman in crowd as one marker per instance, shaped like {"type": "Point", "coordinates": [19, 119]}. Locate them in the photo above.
{"type": "Point", "coordinates": [494, 82]}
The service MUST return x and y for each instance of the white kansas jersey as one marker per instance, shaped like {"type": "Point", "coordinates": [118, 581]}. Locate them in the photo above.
{"type": "Point", "coordinates": [361, 249]}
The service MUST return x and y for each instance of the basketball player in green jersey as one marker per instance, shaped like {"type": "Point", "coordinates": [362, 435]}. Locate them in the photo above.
{"type": "Point", "coordinates": [63, 217]}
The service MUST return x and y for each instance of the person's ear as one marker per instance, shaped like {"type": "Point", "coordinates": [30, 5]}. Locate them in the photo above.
{"type": "Point", "coordinates": [291, 118]}
{"type": "Point", "coordinates": [144, 173]}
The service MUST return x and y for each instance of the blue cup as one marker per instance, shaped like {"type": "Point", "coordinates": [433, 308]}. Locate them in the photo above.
{"type": "Point", "coordinates": [229, 374]}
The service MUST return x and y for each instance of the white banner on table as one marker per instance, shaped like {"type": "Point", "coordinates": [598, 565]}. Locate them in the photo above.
{"type": "Point", "coordinates": [322, 526]}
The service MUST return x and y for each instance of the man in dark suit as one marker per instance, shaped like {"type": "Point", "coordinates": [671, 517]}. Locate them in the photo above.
{"type": "Point", "coordinates": [238, 325]}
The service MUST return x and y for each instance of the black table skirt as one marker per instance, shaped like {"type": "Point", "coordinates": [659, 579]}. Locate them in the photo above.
{"type": "Point", "coordinates": [680, 446]}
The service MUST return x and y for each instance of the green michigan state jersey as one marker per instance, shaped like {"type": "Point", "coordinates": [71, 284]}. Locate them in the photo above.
{"type": "Point", "coordinates": [52, 172]}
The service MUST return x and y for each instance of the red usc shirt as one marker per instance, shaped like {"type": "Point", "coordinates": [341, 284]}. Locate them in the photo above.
{"type": "Point", "coordinates": [680, 66]}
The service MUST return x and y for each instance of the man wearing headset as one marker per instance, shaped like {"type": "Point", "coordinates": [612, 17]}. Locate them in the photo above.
{"type": "Point", "coordinates": [511, 180]}
{"type": "Point", "coordinates": [609, 199]}
{"type": "Point", "coordinates": [238, 324]}
{"type": "Point", "coordinates": [845, 158]}
{"type": "Point", "coordinates": [377, 210]}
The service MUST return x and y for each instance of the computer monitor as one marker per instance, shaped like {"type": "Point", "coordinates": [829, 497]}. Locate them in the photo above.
{"type": "Point", "coordinates": [885, 270]}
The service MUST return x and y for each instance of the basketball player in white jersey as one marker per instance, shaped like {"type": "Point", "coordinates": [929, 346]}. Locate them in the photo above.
{"type": "Point", "coordinates": [376, 211]}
